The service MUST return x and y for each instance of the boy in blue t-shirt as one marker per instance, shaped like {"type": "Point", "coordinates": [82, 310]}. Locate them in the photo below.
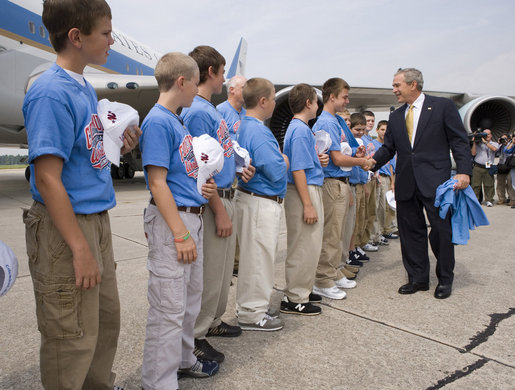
{"type": "Point", "coordinates": [336, 192]}
{"type": "Point", "coordinates": [258, 209]}
{"type": "Point", "coordinates": [232, 109]}
{"type": "Point", "coordinates": [219, 239]}
{"type": "Point", "coordinates": [303, 203]}
{"type": "Point", "coordinates": [67, 228]}
{"type": "Point", "coordinates": [173, 227]}
{"type": "Point", "coordinates": [385, 214]}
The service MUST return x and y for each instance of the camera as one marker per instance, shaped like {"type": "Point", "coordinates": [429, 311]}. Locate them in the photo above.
{"type": "Point", "coordinates": [503, 140]}
{"type": "Point", "coordinates": [478, 135]}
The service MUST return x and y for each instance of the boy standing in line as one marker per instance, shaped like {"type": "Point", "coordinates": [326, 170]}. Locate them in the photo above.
{"type": "Point", "coordinates": [329, 278]}
{"type": "Point", "coordinates": [68, 233]}
{"type": "Point", "coordinates": [258, 209]}
{"type": "Point", "coordinates": [173, 227]}
{"type": "Point", "coordinates": [385, 214]}
{"type": "Point", "coordinates": [303, 203]}
{"type": "Point", "coordinates": [219, 233]}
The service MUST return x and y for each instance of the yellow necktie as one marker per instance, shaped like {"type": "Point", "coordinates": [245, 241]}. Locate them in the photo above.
{"type": "Point", "coordinates": [409, 122]}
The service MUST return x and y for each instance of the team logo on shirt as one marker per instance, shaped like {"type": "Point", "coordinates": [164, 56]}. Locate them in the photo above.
{"type": "Point", "coordinates": [187, 156]}
{"type": "Point", "coordinates": [371, 149]}
{"type": "Point", "coordinates": [225, 139]}
{"type": "Point", "coordinates": [95, 142]}
{"type": "Point", "coordinates": [236, 126]}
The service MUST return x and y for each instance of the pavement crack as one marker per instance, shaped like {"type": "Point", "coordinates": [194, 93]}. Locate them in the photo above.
{"type": "Point", "coordinates": [128, 239]}
{"type": "Point", "coordinates": [459, 374]}
{"type": "Point", "coordinates": [483, 336]}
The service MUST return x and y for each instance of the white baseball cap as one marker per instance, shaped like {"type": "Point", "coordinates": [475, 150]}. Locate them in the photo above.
{"type": "Point", "coordinates": [241, 157]}
{"type": "Point", "coordinates": [390, 198]}
{"type": "Point", "coordinates": [8, 268]}
{"type": "Point", "coordinates": [322, 141]}
{"type": "Point", "coordinates": [210, 158]}
{"type": "Point", "coordinates": [347, 151]}
{"type": "Point", "coordinates": [116, 118]}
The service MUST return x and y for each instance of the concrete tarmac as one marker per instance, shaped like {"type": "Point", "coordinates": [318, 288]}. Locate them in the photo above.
{"type": "Point", "coordinates": [374, 339]}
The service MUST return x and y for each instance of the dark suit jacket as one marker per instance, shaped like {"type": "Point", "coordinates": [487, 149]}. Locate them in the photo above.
{"type": "Point", "coordinates": [428, 163]}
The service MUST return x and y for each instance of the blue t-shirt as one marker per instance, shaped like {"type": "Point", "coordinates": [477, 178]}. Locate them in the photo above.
{"type": "Point", "coordinates": [329, 123]}
{"type": "Point", "coordinates": [203, 118]}
{"type": "Point", "coordinates": [232, 118]}
{"type": "Point", "coordinates": [167, 143]}
{"type": "Point", "coordinates": [299, 146]}
{"type": "Point", "coordinates": [263, 148]}
{"type": "Point", "coordinates": [61, 120]}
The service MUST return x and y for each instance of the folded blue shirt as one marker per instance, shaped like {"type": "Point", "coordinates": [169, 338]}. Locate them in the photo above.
{"type": "Point", "coordinates": [466, 212]}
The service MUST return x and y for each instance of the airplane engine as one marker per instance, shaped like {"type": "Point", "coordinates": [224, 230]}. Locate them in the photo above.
{"type": "Point", "coordinates": [496, 113]}
{"type": "Point", "coordinates": [282, 115]}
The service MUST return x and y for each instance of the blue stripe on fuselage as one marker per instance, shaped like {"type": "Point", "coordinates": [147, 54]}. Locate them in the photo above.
{"type": "Point", "coordinates": [15, 19]}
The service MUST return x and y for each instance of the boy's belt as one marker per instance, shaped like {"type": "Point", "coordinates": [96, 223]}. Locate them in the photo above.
{"type": "Point", "coordinates": [479, 165]}
{"type": "Point", "coordinates": [227, 193]}
{"type": "Point", "coordinates": [192, 210]}
{"type": "Point", "coordinates": [345, 179]}
{"type": "Point", "coordinates": [277, 199]}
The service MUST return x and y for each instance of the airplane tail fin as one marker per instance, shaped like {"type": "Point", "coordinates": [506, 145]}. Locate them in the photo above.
{"type": "Point", "coordinates": [239, 61]}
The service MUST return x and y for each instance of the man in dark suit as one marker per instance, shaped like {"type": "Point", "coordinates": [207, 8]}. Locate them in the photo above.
{"type": "Point", "coordinates": [421, 132]}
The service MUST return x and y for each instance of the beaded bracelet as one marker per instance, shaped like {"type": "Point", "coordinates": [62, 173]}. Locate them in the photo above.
{"type": "Point", "coordinates": [183, 238]}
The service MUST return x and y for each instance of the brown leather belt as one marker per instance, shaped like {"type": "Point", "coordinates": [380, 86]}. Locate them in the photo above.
{"type": "Point", "coordinates": [277, 199]}
{"type": "Point", "coordinates": [226, 193]}
{"type": "Point", "coordinates": [344, 179]}
{"type": "Point", "coordinates": [479, 165]}
{"type": "Point", "coordinates": [192, 210]}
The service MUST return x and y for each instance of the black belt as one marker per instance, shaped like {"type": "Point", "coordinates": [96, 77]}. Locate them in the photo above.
{"type": "Point", "coordinates": [192, 210]}
{"type": "Point", "coordinates": [277, 199]}
{"type": "Point", "coordinates": [345, 179]}
{"type": "Point", "coordinates": [226, 193]}
{"type": "Point", "coordinates": [479, 165]}
{"type": "Point", "coordinates": [384, 175]}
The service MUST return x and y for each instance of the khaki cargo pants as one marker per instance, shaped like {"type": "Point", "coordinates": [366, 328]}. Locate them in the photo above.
{"type": "Point", "coordinates": [79, 328]}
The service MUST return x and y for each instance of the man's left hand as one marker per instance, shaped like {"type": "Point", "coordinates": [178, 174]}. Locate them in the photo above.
{"type": "Point", "coordinates": [463, 181]}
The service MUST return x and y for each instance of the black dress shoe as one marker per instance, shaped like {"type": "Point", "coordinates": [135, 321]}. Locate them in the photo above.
{"type": "Point", "coordinates": [412, 288]}
{"type": "Point", "coordinates": [443, 291]}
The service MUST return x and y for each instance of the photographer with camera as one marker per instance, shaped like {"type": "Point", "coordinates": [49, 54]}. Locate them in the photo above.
{"type": "Point", "coordinates": [508, 164]}
{"type": "Point", "coordinates": [503, 171]}
{"type": "Point", "coordinates": [483, 150]}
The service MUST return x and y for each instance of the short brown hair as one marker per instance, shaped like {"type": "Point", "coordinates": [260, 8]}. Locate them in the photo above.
{"type": "Point", "coordinates": [381, 123]}
{"type": "Point", "coordinates": [255, 89]}
{"type": "Point", "coordinates": [357, 119]}
{"type": "Point", "coordinates": [333, 87]}
{"type": "Point", "coordinates": [207, 56]}
{"type": "Point", "coordinates": [171, 66]}
{"type": "Point", "coordinates": [298, 96]}
{"type": "Point", "coordinates": [60, 16]}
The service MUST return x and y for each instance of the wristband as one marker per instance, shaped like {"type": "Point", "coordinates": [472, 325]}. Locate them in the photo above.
{"type": "Point", "coordinates": [183, 238]}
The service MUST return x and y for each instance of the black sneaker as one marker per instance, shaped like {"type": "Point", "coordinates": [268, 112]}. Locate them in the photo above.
{"type": "Point", "coordinates": [314, 298]}
{"type": "Point", "coordinates": [354, 259]}
{"type": "Point", "coordinates": [201, 369]}
{"type": "Point", "coordinates": [305, 309]}
{"type": "Point", "coordinates": [362, 254]}
{"type": "Point", "coordinates": [205, 351]}
{"type": "Point", "coordinates": [391, 236]}
{"type": "Point", "coordinates": [224, 330]}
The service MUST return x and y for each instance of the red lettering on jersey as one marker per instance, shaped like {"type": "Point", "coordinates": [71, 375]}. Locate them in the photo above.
{"type": "Point", "coordinates": [94, 133]}
{"type": "Point", "coordinates": [187, 156]}
{"type": "Point", "coordinates": [236, 126]}
{"type": "Point", "coordinates": [224, 139]}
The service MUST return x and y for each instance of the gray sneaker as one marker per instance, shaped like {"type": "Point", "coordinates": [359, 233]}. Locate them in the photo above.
{"type": "Point", "coordinates": [266, 324]}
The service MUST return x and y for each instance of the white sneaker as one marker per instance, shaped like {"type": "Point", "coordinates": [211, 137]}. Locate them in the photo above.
{"type": "Point", "coordinates": [489, 204]}
{"type": "Point", "coordinates": [330, 292]}
{"type": "Point", "coordinates": [370, 248]}
{"type": "Point", "coordinates": [345, 283]}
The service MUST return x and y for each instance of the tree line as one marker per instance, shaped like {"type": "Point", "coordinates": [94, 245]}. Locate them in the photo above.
{"type": "Point", "coordinates": [7, 159]}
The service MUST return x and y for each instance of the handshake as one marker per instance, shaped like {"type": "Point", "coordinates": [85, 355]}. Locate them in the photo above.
{"type": "Point", "coordinates": [367, 162]}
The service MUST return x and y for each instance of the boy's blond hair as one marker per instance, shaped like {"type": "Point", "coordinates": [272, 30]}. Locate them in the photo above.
{"type": "Point", "coordinates": [171, 66]}
{"type": "Point", "coordinates": [60, 16]}
{"type": "Point", "coordinates": [255, 89]}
